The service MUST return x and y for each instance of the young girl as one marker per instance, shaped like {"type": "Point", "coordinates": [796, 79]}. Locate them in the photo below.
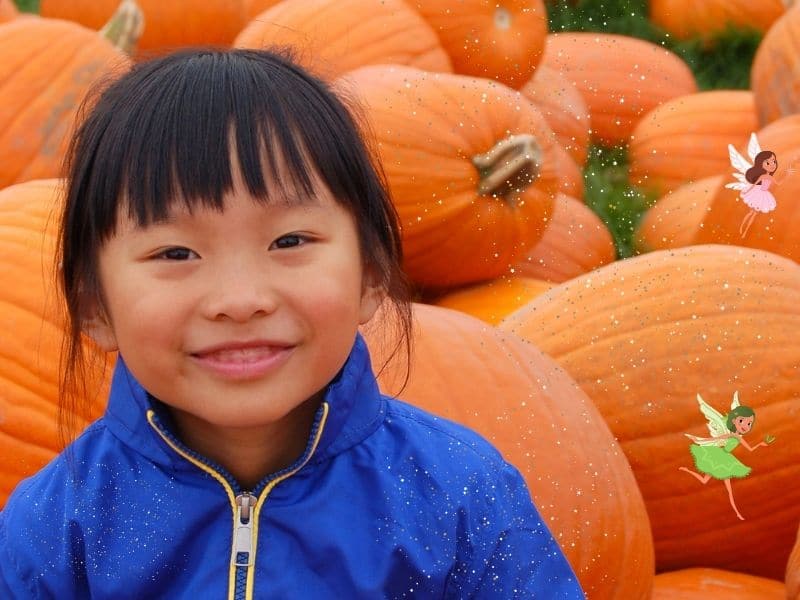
{"type": "Point", "coordinates": [758, 197]}
{"type": "Point", "coordinates": [225, 232]}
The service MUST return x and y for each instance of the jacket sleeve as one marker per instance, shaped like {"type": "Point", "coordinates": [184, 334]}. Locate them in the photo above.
{"type": "Point", "coordinates": [512, 553]}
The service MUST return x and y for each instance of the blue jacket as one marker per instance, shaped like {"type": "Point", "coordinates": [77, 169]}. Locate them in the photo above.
{"type": "Point", "coordinates": [387, 501]}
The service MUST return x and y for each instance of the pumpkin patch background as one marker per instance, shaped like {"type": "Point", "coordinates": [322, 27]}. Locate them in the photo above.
{"type": "Point", "coordinates": [559, 171]}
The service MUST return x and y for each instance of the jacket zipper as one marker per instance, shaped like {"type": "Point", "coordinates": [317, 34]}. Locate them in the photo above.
{"type": "Point", "coordinates": [245, 505]}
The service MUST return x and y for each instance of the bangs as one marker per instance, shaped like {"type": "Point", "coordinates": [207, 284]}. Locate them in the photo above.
{"type": "Point", "coordinates": [174, 129]}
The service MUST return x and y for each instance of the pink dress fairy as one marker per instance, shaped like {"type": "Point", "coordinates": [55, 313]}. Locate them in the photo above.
{"type": "Point", "coordinates": [759, 198]}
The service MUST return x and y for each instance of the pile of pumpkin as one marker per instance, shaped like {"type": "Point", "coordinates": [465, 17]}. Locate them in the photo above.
{"type": "Point", "coordinates": [583, 369]}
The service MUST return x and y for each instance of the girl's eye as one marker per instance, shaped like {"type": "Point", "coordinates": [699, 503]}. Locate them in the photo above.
{"type": "Point", "coordinates": [178, 254]}
{"type": "Point", "coordinates": [289, 241]}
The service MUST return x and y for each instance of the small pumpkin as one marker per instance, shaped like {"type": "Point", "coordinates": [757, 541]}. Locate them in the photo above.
{"type": "Point", "coordinates": [686, 138]}
{"type": "Point", "coordinates": [576, 241]}
{"type": "Point", "coordinates": [472, 168]}
{"type": "Point", "coordinates": [331, 37]}
{"type": "Point", "coordinates": [688, 18]}
{"type": "Point", "coordinates": [533, 412]}
{"type": "Point", "coordinates": [674, 220]}
{"type": "Point", "coordinates": [702, 584]}
{"type": "Point", "coordinates": [494, 300]}
{"type": "Point", "coordinates": [46, 67]}
{"type": "Point", "coordinates": [642, 337]}
{"type": "Point", "coordinates": [774, 72]}
{"type": "Point", "coordinates": [31, 330]}
{"type": "Point", "coordinates": [621, 78]}
{"type": "Point", "coordinates": [501, 40]}
{"type": "Point", "coordinates": [169, 25]}
{"type": "Point", "coordinates": [564, 108]}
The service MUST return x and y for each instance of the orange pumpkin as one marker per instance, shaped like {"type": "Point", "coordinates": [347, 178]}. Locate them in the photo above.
{"type": "Point", "coordinates": [793, 573]}
{"type": "Point", "coordinates": [575, 242]}
{"type": "Point", "coordinates": [521, 401]}
{"type": "Point", "coordinates": [31, 329]}
{"type": "Point", "coordinates": [774, 75]}
{"type": "Point", "coordinates": [702, 584]}
{"type": "Point", "coordinates": [169, 24]}
{"type": "Point", "coordinates": [494, 300]}
{"type": "Point", "coordinates": [674, 220]}
{"type": "Point", "coordinates": [501, 40]}
{"type": "Point", "coordinates": [621, 78]}
{"type": "Point", "coordinates": [253, 8]}
{"type": "Point", "coordinates": [689, 18]}
{"type": "Point", "coordinates": [46, 67]}
{"type": "Point", "coordinates": [643, 337]}
{"type": "Point", "coordinates": [775, 231]}
{"type": "Point", "coordinates": [335, 36]}
{"type": "Point", "coordinates": [686, 138]}
{"type": "Point", "coordinates": [564, 108]}
{"type": "Point", "coordinates": [472, 168]}
{"type": "Point", "coordinates": [8, 10]}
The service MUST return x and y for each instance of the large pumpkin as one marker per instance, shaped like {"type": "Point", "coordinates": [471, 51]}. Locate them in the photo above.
{"type": "Point", "coordinates": [793, 573]}
{"type": "Point", "coordinates": [686, 138]}
{"type": "Point", "coordinates": [8, 10]}
{"type": "Point", "coordinates": [775, 231]}
{"type": "Point", "coordinates": [501, 40]}
{"type": "Point", "coordinates": [643, 337]}
{"type": "Point", "coordinates": [535, 414]}
{"type": "Point", "coordinates": [472, 168]}
{"type": "Point", "coordinates": [774, 75]}
{"type": "Point", "coordinates": [689, 18]}
{"type": "Point", "coordinates": [564, 108]}
{"type": "Point", "coordinates": [334, 36]}
{"type": "Point", "coordinates": [170, 24]}
{"type": "Point", "coordinates": [674, 220]}
{"type": "Point", "coordinates": [575, 242]}
{"type": "Point", "coordinates": [621, 78]}
{"type": "Point", "coordinates": [46, 68]}
{"type": "Point", "coordinates": [708, 584]}
{"type": "Point", "coordinates": [31, 328]}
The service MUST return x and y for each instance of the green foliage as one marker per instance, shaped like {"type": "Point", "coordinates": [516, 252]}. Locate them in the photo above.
{"type": "Point", "coordinates": [29, 6]}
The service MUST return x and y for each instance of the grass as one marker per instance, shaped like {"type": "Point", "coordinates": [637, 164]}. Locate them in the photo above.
{"type": "Point", "coordinates": [721, 62]}
{"type": "Point", "coordinates": [30, 6]}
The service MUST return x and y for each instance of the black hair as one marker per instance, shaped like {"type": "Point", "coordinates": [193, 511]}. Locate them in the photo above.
{"type": "Point", "coordinates": [168, 131]}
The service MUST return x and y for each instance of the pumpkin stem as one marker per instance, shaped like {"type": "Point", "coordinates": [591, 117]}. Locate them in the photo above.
{"type": "Point", "coordinates": [509, 167]}
{"type": "Point", "coordinates": [125, 26]}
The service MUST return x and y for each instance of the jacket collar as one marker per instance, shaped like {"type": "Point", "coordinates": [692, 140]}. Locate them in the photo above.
{"type": "Point", "coordinates": [354, 400]}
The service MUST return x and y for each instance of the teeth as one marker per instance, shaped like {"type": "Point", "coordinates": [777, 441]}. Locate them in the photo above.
{"type": "Point", "coordinates": [243, 355]}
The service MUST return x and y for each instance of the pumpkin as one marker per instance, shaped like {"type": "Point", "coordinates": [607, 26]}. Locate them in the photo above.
{"type": "Point", "coordinates": [621, 78]}
{"type": "Point", "coordinates": [702, 584]}
{"type": "Point", "coordinates": [253, 8]}
{"type": "Point", "coordinates": [643, 337]}
{"type": "Point", "coordinates": [686, 138]}
{"type": "Point", "coordinates": [169, 24]}
{"type": "Point", "coordinates": [540, 420]}
{"type": "Point", "coordinates": [564, 109]}
{"type": "Point", "coordinates": [774, 72]}
{"type": "Point", "coordinates": [674, 220]}
{"type": "Point", "coordinates": [575, 242]}
{"type": "Point", "coordinates": [494, 300]}
{"type": "Point", "coordinates": [471, 165]}
{"type": "Point", "coordinates": [689, 18]}
{"type": "Point", "coordinates": [793, 573]}
{"type": "Point", "coordinates": [8, 11]}
{"type": "Point", "coordinates": [46, 67]}
{"type": "Point", "coordinates": [775, 231]}
{"type": "Point", "coordinates": [31, 330]}
{"type": "Point", "coordinates": [501, 40]}
{"type": "Point", "coordinates": [335, 36]}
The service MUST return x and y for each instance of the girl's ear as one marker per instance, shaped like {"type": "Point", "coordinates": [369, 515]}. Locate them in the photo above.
{"type": "Point", "coordinates": [372, 296]}
{"type": "Point", "coordinates": [98, 327]}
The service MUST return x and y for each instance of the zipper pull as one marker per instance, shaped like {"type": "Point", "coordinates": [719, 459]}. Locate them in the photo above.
{"type": "Point", "coordinates": [243, 542]}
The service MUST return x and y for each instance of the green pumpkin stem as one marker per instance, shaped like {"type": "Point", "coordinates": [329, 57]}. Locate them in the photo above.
{"type": "Point", "coordinates": [509, 167]}
{"type": "Point", "coordinates": [125, 26]}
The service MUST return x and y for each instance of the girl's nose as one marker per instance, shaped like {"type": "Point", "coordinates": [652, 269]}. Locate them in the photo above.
{"type": "Point", "coordinates": [240, 294]}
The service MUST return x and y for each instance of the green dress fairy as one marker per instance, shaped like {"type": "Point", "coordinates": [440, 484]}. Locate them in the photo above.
{"type": "Point", "coordinates": [718, 461]}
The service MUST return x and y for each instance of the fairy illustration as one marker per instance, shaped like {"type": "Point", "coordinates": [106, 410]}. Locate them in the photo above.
{"type": "Point", "coordinates": [754, 180]}
{"type": "Point", "coordinates": [713, 456]}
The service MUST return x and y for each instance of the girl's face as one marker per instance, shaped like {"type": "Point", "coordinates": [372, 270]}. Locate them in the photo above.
{"type": "Point", "coordinates": [743, 424]}
{"type": "Point", "coordinates": [770, 164]}
{"type": "Point", "coordinates": [286, 276]}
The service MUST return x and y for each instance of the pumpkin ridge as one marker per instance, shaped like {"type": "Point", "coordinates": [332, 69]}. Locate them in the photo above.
{"type": "Point", "coordinates": [24, 58]}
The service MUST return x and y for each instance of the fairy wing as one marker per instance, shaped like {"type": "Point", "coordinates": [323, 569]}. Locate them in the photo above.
{"type": "Point", "coordinates": [741, 187]}
{"type": "Point", "coordinates": [737, 160]}
{"type": "Point", "coordinates": [753, 147]}
{"type": "Point", "coordinates": [712, 441]}
{"type": "Point", "coordinates": [716, 422]}
{"type": "Point", "coordinates": [735, 402]}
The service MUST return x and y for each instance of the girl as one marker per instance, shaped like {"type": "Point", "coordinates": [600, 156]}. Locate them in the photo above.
{"type": "Point", "coordinates": [757, 196]}
{"type": "Point", "coordinates": [225, 232]}
{"type": "Point", "coordinates": [713, 456]}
